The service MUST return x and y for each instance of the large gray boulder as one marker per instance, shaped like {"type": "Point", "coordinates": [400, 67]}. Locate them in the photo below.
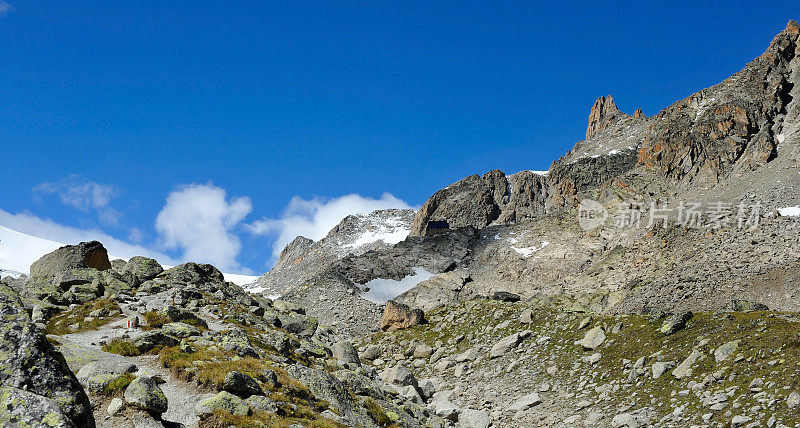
{"type": "Point", "coordinates": [20, 408]}
{"type": "Point", "coordinates": [84, 255]}
{"type": "Point", "coordinates": [31, 364]}
{"type": "Point", "coordinates": [140, 269]}
{"type": "Point", "coordinates": [241, 384]}
{"type": "Point", "coordinates": [146, 395]}
{"type": "Point", "coordinates": [326, 387]}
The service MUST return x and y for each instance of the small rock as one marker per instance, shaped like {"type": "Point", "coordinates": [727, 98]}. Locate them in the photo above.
{"type": "Point", "coordinates": [675, 323]}
{"type": "Point", "coordinates": [525, 402]}
{"type": "Point", "coordinates": [593, 338]}
{"type": "Point", "coordinates": [146, 395]}
{"type": "Point", "coordinates": [115, 406]}
{"type": "Point", "coordinates": [241, 384]}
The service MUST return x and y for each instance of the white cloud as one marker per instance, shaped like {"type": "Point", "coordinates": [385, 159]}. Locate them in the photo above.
{"type": "Point", "coordinates": [5, 8]}
{"type": "Point", "coordinates": [198, 220]}
{"type": "Point", "coordinates": [30, 224]}
{"type": "Point", "coordinates": [80, 193]}
{"type": "Point", "coordinates": [314, 218]}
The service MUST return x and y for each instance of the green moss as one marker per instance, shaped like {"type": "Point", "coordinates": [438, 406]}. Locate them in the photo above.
{"type": "Point", "coordinates": [117, 386]}
{"type": "Point", "coordinates": [121, 347]}
{"type": "Point", "coordinates": [154, 319]}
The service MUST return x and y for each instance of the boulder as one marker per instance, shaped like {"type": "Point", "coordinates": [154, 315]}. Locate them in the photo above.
{"type": "Point", "coordinates": [140, 269]}
{"type": "Point", "coordinates": [84, 255]}
{"type": "Point", "coordinates": [397, 316]}
{"type": "Point", "coordinates": [345, 353]}
{"type": "Point", "coordinates": [748, 306]}
{"type": "Point", "coordinates": [399, 375]}
{"type": "Point", "coordinates": [150, 339]}
{"type": "Point", "coordinates": [301, 325]}
{"type": "Point", "coordinates": [675, 323]}
{"type": "Point", "coordinates": [180, 330]}
{"type": "Point", "coordinates": [222, 402]}
{"type": "Point", "coordinates": [506, 344]}
{"type": "Point", "coordinates": [260, 403]}
{"type": "Point", "coordinates": [684, 369]}
{"type": "Point", "coordinates": [593, 338]}
{"type": "Point", "coordinates": [31, 364]}
{"type": "Point", "coordinates": [525, 402]}
{"type": "Point", "coordinates": [326, 387]}
{"type": "Point", "coordinates": [470, 418]}
{"type": "Point", "coordinates": [237, 341]}
{"type": "Point", "coordinates": [144, 394]}
{"type": "Point", "coordinates": [21, 408]}
{"type": "Point", "coordinates": [725, 351]}
{"type": "Point", "coordinates": [241, 384]}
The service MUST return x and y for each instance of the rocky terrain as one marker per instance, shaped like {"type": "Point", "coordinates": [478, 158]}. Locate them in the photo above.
{"type": "Point", "coordinates": [649, 278]}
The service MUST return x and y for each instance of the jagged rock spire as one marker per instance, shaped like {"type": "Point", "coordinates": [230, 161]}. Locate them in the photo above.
{"type": "Point", "coordinates": [603, 113]}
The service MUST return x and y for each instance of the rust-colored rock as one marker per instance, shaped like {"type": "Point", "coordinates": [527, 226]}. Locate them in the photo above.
{"type": "Point", "coordinates": [397, 316]}
{"type": "Point", "coordinates": [604, 112]}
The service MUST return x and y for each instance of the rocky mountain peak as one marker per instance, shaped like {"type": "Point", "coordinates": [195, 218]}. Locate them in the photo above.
{"type": "Point", "coordinates": [604, 112]}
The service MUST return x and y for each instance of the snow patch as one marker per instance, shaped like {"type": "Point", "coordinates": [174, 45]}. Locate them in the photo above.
{"type": "Point", "coordinates": [528, 251]}
{"type": "Point", "coordinates": [790, 211]}
{"type": "Point", "coordinates": [383, 290]}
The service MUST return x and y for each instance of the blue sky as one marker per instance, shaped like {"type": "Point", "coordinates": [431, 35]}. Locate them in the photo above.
{"type": "Point", "coordinates": [119, 118]}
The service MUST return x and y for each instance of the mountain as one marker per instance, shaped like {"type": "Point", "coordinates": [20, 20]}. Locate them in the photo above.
{"type": "Point", "coordinates": [18, 251]}
{"type": "Point", "coordinates": [734, 146]}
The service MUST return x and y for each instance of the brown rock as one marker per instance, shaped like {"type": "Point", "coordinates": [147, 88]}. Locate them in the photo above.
{"type": "Point", "coordinates": [398, 316]}
{"type": "Point", "coordinates": [604, 112]}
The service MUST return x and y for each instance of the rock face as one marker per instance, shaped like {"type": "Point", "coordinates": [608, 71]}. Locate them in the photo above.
{"type": "Point", "coordinates": [479, 201]}
{"type": "Point", "coordinates": [603, 113]}
{"type": "Point", "coordinates": [84, 255]}
{"type": "Point", "coordinates": [33, 371]}
{"type": "Point", "coordinates": [397, 316]}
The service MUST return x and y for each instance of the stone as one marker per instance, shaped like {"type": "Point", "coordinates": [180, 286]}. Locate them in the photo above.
{"type": "Point", "coordinates": [422, 351]}
{"type": "Point", "coordinates": [526, 317]}
{"type": "Point", "coordinates": [326, 387]}
{"type": "Point", "coordinates": [748, 306]}
{"type": "Point", "coordinates": [140, 269]}
{"type": "Point", "coordinates": [345, 353]}
{"type": "Point", "coordinates": [593, 338]}
{"type": "Point", "coordinates": [505, 345]}
{"type": "Point", "coordinates": [661, 367]}
{"type": "Point", "coordinates": [740, 420]}
{"type": "Point", "coordinates": [675, 323]}
{"type": "Point", "coordinates": [585, 322]}
{"type": "Point", "coordinates": [84, 255]}
{"type": "Point", "coordinates": [725, 351]}
{"type": "Point", "coordinates": [470, 418]}
{"type": "Point", "coordinates": [21, 408]}
{"type": "Point", "coordinates": [241, 384]}
{"type": "Point", "coordinates": [525, 402]}
{"type": "Point", "coordinates": [397, 316]}
{"type": "Point", "coordinates": [115, 406]}
{"type": "Point", "coordinates": [629, 420]}
{"type": "Point", "coordinates": [684, 369]}
{"type": "Point", "coordinates": [180, 330]}
{"type": "Point", "coordinates": [34, 370]}
{"type": "Point", "coordinates": [261, 404]}
{"type": "Point", "coordinates": [372, 352]}
{"type": "Point", "coordinates": [144, 394]}
{"type": "Point", "coordinates": [222, 402]}
{"type": "Point", "coordinates": [148, 340]}
{"type": "Point", "coordinates": [793, 400]}
{"type": "Point", "coordinates": [399, 375]}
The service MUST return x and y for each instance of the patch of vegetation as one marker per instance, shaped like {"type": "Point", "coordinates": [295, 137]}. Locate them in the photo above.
{"type": "Point", "coordinates": [265, 420]}
{"type": "Point", "coordinates": [377, 414]}
{"type": "Point", "coordinates": [116, 387]}
{"type": "Point", "coordinates": [122, 347]}
{"type": "Point", "coordinates": [80, 318]}
{"type": "Point", "coordinates": [154, 319]}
